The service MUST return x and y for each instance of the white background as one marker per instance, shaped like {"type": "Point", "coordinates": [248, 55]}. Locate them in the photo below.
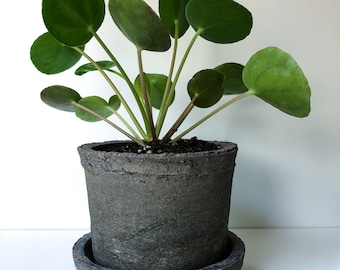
{"type": "Point", "coordinates": [288, 169]}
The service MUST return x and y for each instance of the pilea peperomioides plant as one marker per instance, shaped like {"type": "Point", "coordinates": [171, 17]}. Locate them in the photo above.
{"type": "Point", "coordinates": [271, 74]}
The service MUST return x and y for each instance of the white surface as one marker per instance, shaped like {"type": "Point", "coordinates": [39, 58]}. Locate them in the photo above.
{"type": "Point", "coordinates": [266, 249]}
{"type": "Point", "coordinates": [287, 172]}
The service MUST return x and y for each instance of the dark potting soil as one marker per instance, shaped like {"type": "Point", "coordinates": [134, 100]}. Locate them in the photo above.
{"type": "Point", "coordinates": [181, 146]}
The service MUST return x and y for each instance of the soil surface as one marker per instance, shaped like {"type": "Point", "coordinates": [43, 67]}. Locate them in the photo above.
{"type": "Point", "coordinates": [181, 146]}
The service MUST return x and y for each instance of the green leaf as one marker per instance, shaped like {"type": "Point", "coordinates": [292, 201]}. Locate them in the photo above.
{"type": "Point", "coordinates": [206, 87]}
{"type": "Point", "coordinates": [233, 78]}
{"type": "Point", "coordinates": [155, 85]}
{"type": "Point", "coordinates": [73, 22]}
{"type": "Point", "coordinates": [157, 89]}
{"type": "Point", "coordinates": [50, 56]}
{"type": "Point", "coordinates": [274, 76]}
{"type": "Point", "coordinates": [140, 24]}
{"type": "Point", "coordinates": [138, 86]}
{"type": "Point", "coordinates": [173, 12]}
{"type": "Point", "coordinates": [114, 103]}
{"type": "Point", "coordinates": [222, 21]}
{"type": "Point", "coordinates": [60, 97]}
{"type": "Point", "coordinates": [96, 104]}
{"type": "Point", "coordinates": [105, 65]}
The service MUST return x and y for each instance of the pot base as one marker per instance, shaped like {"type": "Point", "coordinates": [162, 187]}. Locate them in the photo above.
{"type": "Point", "coordinates": [83, 258]}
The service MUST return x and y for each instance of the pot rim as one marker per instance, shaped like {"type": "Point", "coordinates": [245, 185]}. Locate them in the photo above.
{"type": "Point", "coordinates": [225, 146]}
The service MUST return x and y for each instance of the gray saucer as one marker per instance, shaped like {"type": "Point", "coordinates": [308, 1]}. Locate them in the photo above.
{"type": "Point", "coordinates": [83, 258]}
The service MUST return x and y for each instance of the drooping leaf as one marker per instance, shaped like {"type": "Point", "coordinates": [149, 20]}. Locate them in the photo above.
{"type": "Point", "coordinates": [274, 76]}
{"type": "Point", "coordinates": [105, 65]}
{"type": "Point", "coordinates": [140, 24]}
{"type": "Point", "coordinates": [173, 12]}
{"type": "Point", "coordinates": [222, 21]}
{"type": "Point", "coordinates": [73, 22]}
{"type": "Point", "coordinates": [50, 56]}
{"type": "Point", "coordinates": [96, 104]}
{"type": "Point", "coordinates": [114, 102]}
{"type": "Point", "coordinates": [60, 97]}
{"type": "Point", "coordinates": [207, 87]}
{"type": "Point", "coordinates": [233, 78]}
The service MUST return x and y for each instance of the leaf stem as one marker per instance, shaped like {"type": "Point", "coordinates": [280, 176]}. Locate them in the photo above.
{"type": "Point", "coordinates": [126, 106]}
{"type": "Point", "coordinates": [179, 121]}
{"type": "Point", "coordinates": [125, 77]}
{"type": "Point", "coordinates": [134, 133]}
{"type": "Point", "coordinates": [178, 73]}
{"type": "Point", "coordinates": [146, 97]}
{"type": "Point", "coordinates": [162, 109]}
{"type": "Point", "coordinates": [139, 142]}
{"type": "Point", "coordinates": [223, 106]}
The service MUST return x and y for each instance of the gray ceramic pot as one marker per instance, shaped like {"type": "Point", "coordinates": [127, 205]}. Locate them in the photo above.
{"type": "Point", "coordinates": [158, 211]}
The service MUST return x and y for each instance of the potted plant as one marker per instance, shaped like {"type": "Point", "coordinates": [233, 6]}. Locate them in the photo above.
{"type": "Point", "coordinates": [158, 200]}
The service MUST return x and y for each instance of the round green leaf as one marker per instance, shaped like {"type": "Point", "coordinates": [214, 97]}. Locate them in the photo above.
{"type": "Point", "coordinates": [274, 76]}
{"type": "Point", "coordinates": [207, 87]}
{"type": "Point", "coordinates": [157, 89]}
{"type": "Point", "coordinates": [140, 24]}
{"type": "Point", "coordinates": [173, 12]}
{"type": "Point", "coordinates": [222, 21]}
{"type": "Point", "coordinates": [60, 97]}
{"type": "Point", "coordinates": [114, 103]}
{"type": "Point", "coordinates": [138, 86]}
{"type": "Point", "coordinates": [50, 56]}
{"type": "Point", "coordinates": [73, 22]}
{"type": "Point", "coordinates": [155, 85]}
{"type": "Point", "coordinates": [233, 78]}
{"type": "Point", "coordinates": [96, 104]}
{"type": "Point", "coordinates": [105, 65]}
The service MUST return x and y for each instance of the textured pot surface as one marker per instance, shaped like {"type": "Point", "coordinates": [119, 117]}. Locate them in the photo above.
{"type": "Point", "coordinates": [233, 260]}
{"type": "Point", "coordinates": [158, 211]}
